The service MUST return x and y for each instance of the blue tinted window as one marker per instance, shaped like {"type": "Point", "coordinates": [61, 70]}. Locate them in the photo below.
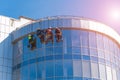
{"type": "Point", "coordinates": [41, 52]}
{"type": "Point", "coordinates": [36, 25]}
{"type": "Point", "coordinates": [100, 44]}
{"type": "Point", "coordinates": [93, 52]}
{"type": "Point", "coordinates": [84, 38]}
{"type": "Point", "coordinates": [32, 61]}
{"type": "Point", "coordinates": [92, 40]}
{"type": "Point", "coordinates": [50, 79]}
{"type": "Point", "coordinates": [67, 56]}
{"type": "Point", "coordinates": [53, 23]}
{"type": "Point", "coordinates": [58, 50]}
{"type": "Point", "coordinates": [46, 24]}
{"type": "Point", "coordinates": [39, 44]}
{"type": "Point", "coordinates": [106, 43]}
{"type": "Point", "coordinates": [41, 73]}
{"type": "Point", "coordinates": [67, 38]}
{"type": "Point", "coordinates": [94, 59]}
{"type": "Point", "coordinates": [41, 59]}
{"type": "Point", "coordinates": [76, 57]}
{"type": "Point", "coordinates": [75, 35]}
{"type": "Point", "coordinates": [59, 78]}
{"type": "Point", "coordinates": [42, 25]}
{"type": "Point", "coordinates": [60, 23]}
{"type": "Point", "coordinates": [49, 57]}
{"type": "Point", "coordinates": [25, 45]}
{"type": "Point", "coordinates": [49, 51]}
{"type": "Point", "coordinates": [32, 72]}
{"type": "Point", "coordinates": [84, 51]}
{"type": "Point", "coordinates": [49, 69]}
{"type": "Point", "coordinates": [58, 68]}
{"type": "Point", "coordinates": [25, 56]}
{"type": "Point", "coordinates": [32, 54]}
{"type": "Point", "coordinates": [85, 57]}
{"type": "Point", "coordinates": [69, 50]}
{"type": "Point", "coordinates": [76, 50]}
{"type": "Point", "coordinates": [25, 73]}
{"type": "Point", "coordinates": [68, 68]}
{"type": "Point", "coordinates": [58, 57]}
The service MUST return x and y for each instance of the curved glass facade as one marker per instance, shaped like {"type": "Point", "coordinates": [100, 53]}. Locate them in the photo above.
{"type": "Point", "coordinates": [84, 54]}
{"type": "Point", "coordinates": [5, 48]}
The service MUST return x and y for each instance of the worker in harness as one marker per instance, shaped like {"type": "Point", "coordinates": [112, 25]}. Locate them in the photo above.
{"type": "Point", "coordinates": [49, 35]}
{"type": "Point", "coordinates": [58, 34]}
{"type": "Point", "coordinates": [41, 34]}
{"type": "Point", "coordinates": [32, 41]}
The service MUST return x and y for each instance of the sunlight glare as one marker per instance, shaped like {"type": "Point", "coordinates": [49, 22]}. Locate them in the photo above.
{"type": "Point", "coordinates": [115, 14]}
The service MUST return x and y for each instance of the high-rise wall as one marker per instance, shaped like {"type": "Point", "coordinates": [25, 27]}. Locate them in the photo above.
{"type": "Point", "coordinates": [90, 50]}
{"type": "Point", "coordinates": [7, 25]}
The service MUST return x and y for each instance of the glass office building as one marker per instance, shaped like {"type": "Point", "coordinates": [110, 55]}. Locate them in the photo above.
{"type": "Point", "coordinates": [90, 50]}
{"type": "Point", "coordinates": [7, 26]}
{"type": "Point", "coordinates": [5, 49]}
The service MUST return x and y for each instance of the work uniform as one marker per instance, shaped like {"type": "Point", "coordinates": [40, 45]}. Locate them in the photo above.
{"type": "Point", "coordinates": [49, 35]}
{"type": "Point", "coordinates": [58, 34]}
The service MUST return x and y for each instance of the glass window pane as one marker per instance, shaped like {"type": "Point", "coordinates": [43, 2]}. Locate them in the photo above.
{"type": "Point", "coordinates": [84, 38]}
{"type": "Point", "coordinates": [67, 38]}
{"type": "Point", "coordinates": [76, 50]}
{"type": "Point", "coordinates": [4, 76]}
{"type": "Point", "coordinates": [25, 73]}
{"type": "Point", "coordinates": [41, 73]}
{"type": "Point", "coordinates": [94, 70]}
{"type": "Point", "coordinates": [114, 74]}
{"type": "Point", "coordinates": [92, 40]}
{"type": "Point", "coordinates": [58, 68]}
{"type": "Point", "coordinates": [86, 69]}
{"type": "Point", "coordinates": [75, 37]}
{"type": "Point", "coordinates": [93, 52]}
{"type": "Point", "coordinates": [106, 43]}
{"type": "Point", "coordinates": [58, 50]}
{"type": "Point", "coordinates": [32, 72]}
{"type": "Point", "coordinates": [107, 56]}
{"type": "Point", "coordinates": [99, 41]}
{"type": "Point", "coordinates": [118, 75]}
{"type": "Point", "coordinates": [49, 51]}
{"type": "Point", "coordinates": [109, 73]}
{"type": "Point", "coordinates": [101, 54]}
{"type": "Point", "coordinates": [84, 51]}
{"type": "Point", "coordinates": [77, 69]}
{"type": "Point", "coordinates": [68, 68]}
{"type": "Point", "coordinates": [102, 72]}
{"type": "Point", "coordinates": [49, 69]}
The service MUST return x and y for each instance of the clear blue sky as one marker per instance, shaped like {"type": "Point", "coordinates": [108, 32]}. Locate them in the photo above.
{"type": "Point", "coordinates": [95, 9]}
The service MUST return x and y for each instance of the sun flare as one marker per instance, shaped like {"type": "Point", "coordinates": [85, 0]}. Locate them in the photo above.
{"type": "Point", "coordinates": [115, 14]}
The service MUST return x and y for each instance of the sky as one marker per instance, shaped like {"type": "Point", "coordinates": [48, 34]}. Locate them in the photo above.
{"type": "Point", "coordinates": [100, 10]}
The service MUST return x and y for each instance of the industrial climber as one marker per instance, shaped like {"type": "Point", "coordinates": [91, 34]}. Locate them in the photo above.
{"type": "Point", "coordinates": [32, 41]}
{"type": "Point", "coordinates": [49, 35]}
{"type": "Point", "coordinates": [41, 34]}
{"type": "Point", "coordinates": [58, 34]}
